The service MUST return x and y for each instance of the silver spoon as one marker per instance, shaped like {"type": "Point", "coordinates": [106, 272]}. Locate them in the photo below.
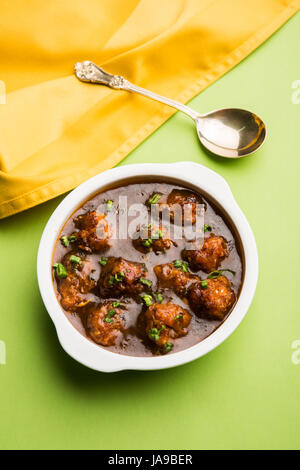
{"type": "Point", "coordinates": [231, 132]}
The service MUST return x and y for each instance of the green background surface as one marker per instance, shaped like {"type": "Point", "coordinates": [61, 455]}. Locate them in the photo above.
{"type": "Point", "coordinates": [244, 394]}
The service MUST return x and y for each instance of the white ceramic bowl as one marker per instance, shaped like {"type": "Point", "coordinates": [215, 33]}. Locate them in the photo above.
{"type": "Point", "coordinates": [189, 174]}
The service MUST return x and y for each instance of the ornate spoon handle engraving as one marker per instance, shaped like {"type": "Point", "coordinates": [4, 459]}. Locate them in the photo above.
{"type": "Point", "coordinates": [89, 72]}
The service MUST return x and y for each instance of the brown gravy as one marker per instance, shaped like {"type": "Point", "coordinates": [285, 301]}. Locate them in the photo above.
{"type": "Point", "coordinates": [199, 328]}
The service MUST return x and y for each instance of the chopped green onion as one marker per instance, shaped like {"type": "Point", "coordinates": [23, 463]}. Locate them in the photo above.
{"type": "Point", "coordinates": [108, 318]}
{"type": "Point", "coordinates": [147, 300]}
{"type": "Point", "coordinates": [158, 234]}
{"type": "Point", "coordinates": [154, 333]}
{"type": "Point", "coordinates": [120, 278]}
{"type": "Point", "coordinates": [147, 243]}
{"type": "Point", "coordinates": [181, 264]}
{"type": "Point", "coordinates": [177, 263]}
{"type": "Point", "coordinates": [168, 347]}
{"type": "Point", "coordinates": [114, 279]}
{"type": "Point", "coordinates": [103, 261]}
{"type": "Point", "coordinates": [178, 317]}
{"type": "Point", "coordinates": [207, 228]}
{"type": "Point", "coordinates": [146, 282]}
{"type": "Point", "coordinates": [154, 199]}
{"type": "Point", "coordinates": [60, 270]}
{"type": "Point", "coordinates": [158, 297]}
{"type": "Point", "coordinates": [75, 259]}
{"type": "Point", "coordinates": [116, 304]}
{"type": "Point", "coordinates": [216, 274]}
{"type": "Point", "coordinates": [65, 241]}
{"type": "Point", "coordinates": [72, 238]}
{"type": "Point", "coordinates": [184, 268]}
{"type": "Point", "coordinates": [109, 205]}
{"type": "Point", "coordinates": [204, 284]}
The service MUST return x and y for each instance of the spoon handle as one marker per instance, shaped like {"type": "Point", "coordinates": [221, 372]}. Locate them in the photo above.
{"type": "Point", "coordinates": [89, 72]}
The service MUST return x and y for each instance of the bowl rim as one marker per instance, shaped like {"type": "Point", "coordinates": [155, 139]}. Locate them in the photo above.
{"type": "Point", "coordinates": [189, 173]}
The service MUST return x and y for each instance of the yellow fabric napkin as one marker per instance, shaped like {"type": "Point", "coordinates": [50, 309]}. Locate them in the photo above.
{"type": "Point", "coordinates": [55, 132]}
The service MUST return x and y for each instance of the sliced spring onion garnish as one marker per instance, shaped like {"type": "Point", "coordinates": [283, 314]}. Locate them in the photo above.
{"type": "Point", "coordinates": [61, 271]}
{"type": "Point", "coordinates": [216, 274]}
{"type": "Point", "coordinates": [147, 299]}
{"type": "Point", "coordinates": [154, 199]}
{"type": "Point", "coordinates": [146, 282]}
{"type": "Point", "coordinates": [75, 259]}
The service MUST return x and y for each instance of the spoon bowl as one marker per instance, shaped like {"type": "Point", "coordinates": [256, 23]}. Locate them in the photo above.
{"type": "Point", "coordinates": [231, 132]}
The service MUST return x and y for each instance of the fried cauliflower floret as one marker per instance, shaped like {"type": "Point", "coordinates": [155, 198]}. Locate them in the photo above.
{"type": "Point", "coordinates": [121, 277]}
{"type": "Point", "coordinates": [175, 278]}
{"type": "Point", "coordinates": [182, 206]}
{"type": "Point", "coordinates": [212, 298]}
{"type": "Point", "coordinates": [94, 232]}
{"type": "Point", "coordinates": [104, 323]}
{"type": "Point", "coordinates": [77, 281]}
{"type": "Point", "coordinates": [214, 250]}
{"type": "Point", "coordinates": [152, 238]}
{"type": "Point", "coordinates": [164, 323]}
